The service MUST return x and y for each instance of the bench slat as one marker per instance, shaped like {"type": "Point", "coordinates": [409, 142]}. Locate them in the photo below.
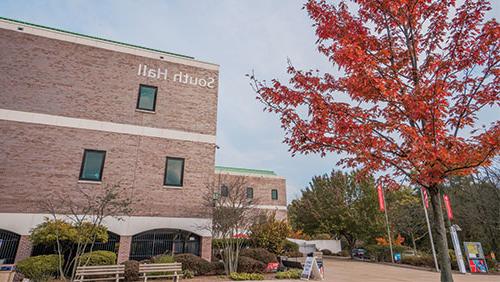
{"type": "Point", "coordinates": [97, 273]}
{"type": "Point", "coordinates": [119, 266]}
{"type": "Point", "coordinates": [99, 279]}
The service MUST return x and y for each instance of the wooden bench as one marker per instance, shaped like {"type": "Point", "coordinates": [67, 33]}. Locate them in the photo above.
{"type": "Point", "coordinates": [157, 270]}
{"type": "Point", "coordinates": [100, 272]}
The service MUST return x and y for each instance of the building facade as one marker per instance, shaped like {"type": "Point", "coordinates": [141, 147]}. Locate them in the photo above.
{"type": "Point", "coordinates": [79, 113]}
{"type": "Point", "coordinates": [264, 188]}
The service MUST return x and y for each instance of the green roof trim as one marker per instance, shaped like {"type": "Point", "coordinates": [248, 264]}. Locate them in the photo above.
{"type": "Point", "coordinates": [244, 170]}
{"type": "Point", "coordinates": [98, 38]}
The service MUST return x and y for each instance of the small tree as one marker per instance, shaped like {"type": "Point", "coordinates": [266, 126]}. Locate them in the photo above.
{"type": "Point", "coordinates": [77, 222]}
{"type": "Point", "coordinates": [269, 233]}
{"type": "Point", "coordinates": [232, 214]}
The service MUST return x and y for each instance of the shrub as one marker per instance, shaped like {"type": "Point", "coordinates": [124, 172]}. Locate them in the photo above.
{"type": "Point", "coordinates": [162, 259]}
{"type": "Point", "coordinates": [492, 264]}
{"type": "Point", "coordinates": [382, 253]}
{"type": "Point", "coordinates": [322, 236]}
{"type": "Point", "coordinates": [270, 234]}
{"type": "Point", "coordinates": [423, 260]}
{"type": "Point", "coordinates": [131, 270]}
{"type": "Point", "coordinates": [246, 276]}
{"type": "Point", "coordinates": [39, 268]}
{"type": "Point", "coordinates": [98, 258]}
{"type": "Point", "coordinates": [326, 252]}
{"type": "Point", "coordinates": [250, 265]}
{"type": "Point", "coordinates": [294, 254]}
{"type": "Point", "coordinates": [194, 263]}
{"type": "Point", "coordinates": [259, 254]}
{"type": "Point", "coordinates": [289, 274]}
{"type": "Point", "coordinates": [218, 267]}
{"type": "Point", "coordinates": [290, 246]}
{"type": "Point", "coordinates": [187, 274]}
{"type": "Point", "coordinates": [344, 253]}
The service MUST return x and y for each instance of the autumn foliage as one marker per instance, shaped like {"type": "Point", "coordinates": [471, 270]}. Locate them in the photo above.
{"type": "Point", "coordinates": [410, 80]}
{"type": "Point", "coordinates": [416, 75]}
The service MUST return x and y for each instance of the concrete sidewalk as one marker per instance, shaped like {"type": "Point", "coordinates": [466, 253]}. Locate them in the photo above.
{"type": "Point", "coordinates": [337, 270]}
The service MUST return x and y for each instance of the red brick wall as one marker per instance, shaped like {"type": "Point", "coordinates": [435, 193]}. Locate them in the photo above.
{"type": "Point", "coordinates": [60, 78]}
{"type": "Point", "coordinates": [124, 248]}
{"type": "Point", "coordinates": [262, 187]}
{"type": "Point", "coordinates": [24, 248]}
{"type": "Point", "coordinates": [206, 248]}
{"type": "Point", "coordinates": [38, 160]}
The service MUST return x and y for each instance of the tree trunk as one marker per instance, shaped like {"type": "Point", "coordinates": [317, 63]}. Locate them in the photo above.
{"type": "Point", "coordinates": [413, 242]}
{"type": "Point", "coordinates": [441, 238]}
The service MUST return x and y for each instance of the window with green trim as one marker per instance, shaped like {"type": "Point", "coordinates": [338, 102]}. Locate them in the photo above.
{"type": "Point", "coordinates": [174, 172]}
{"type": "Point", "coordinates": [92, 165]}
{"type": "Point", "coordinates": [274, 194]}
{"type": "Point", "coordinates": [249, 193]}
{"type": "Point", "coordinates": [147, 98]}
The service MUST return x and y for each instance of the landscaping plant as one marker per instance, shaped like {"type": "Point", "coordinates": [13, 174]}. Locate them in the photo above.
{"type": "Point", "coordinates": [289, 274]}
{"type": "Point", "coordinates": [39, 268]}
{"type": "Point", "coordinates": [246, 276]}
{"type": "Point", "coordinates": [194, 264]}
{"type": "Point", "coordinates": [98, 258]}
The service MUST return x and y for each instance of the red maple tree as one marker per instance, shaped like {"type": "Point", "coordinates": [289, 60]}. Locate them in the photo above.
{"type": "Point", "coordinates": [417, 74]}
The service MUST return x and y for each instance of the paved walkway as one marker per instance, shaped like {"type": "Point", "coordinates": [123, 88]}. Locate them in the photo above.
{"type": "Point", "coordinates": [355, 271]}
{"type": "Point", "coordinates": [338, 270]}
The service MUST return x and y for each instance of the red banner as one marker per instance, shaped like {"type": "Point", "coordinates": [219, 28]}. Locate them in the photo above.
{"type": "Point", "coordinates": [447, 204]}
{"type": "Point", "coordinates": [380, 197]}
{"type": "Point", "coordinates": [426, 197]}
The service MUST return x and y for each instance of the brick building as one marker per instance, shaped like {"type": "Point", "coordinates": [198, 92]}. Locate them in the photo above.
{"type": "Point", "coordinates": [79, 112]}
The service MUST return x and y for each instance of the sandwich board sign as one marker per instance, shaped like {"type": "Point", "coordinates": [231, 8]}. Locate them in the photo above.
{"type": "Point", "coordinates": [312, 269]}
{"type": "Point", "coordinates": [475, 257]}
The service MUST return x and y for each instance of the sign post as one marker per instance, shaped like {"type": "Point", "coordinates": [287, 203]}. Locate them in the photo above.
{"type": "Point", "coordinates": [456, 245]}
{"type": "Point", "coordinates": [425, 202]}
{"type": "Point", "coordinates": [382, 205]}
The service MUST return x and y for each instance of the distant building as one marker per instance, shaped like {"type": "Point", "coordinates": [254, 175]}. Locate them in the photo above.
{"type": "Point", "coordinates": [265, 187]}
{"type": "Point", "coordinates": [78, 111]}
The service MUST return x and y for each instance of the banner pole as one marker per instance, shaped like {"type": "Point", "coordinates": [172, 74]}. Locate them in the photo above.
{"type": "Point", "coordinates": [387, 224]}
{"type": "Point", "coordinates": [429, 230]}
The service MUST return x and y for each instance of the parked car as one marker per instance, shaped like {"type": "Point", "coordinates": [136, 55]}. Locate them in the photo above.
{"type": "Point", "coordinates": [359, 253]}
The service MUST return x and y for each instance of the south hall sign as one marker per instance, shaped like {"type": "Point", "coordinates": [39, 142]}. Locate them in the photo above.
{"type": "Point", "coordinates": [180, 77]}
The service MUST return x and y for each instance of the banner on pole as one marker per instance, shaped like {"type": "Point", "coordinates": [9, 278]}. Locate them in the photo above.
{"type": "Point", "coordinates": [426, 197]}
{"type": "Point", "coordinates": [447, 204]}
{"type": "Point", "coordinates": [380, 197]}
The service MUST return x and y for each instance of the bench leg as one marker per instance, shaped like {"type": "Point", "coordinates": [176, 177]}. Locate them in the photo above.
{"type": "Point", "coordinates": [176, 277]}
{"type": "Point", "coordinates": [117, 278]}
{"type": "Point", "coordinates": [145, 277]}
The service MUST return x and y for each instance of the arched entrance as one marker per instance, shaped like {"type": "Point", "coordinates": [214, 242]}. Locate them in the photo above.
{"type": "Point", "coordinates": [9, 242]}
{"type": "Point", "coordinates": [163, 241]}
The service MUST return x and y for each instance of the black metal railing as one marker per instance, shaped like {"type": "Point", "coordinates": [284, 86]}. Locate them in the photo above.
{"type": "Point", "coordinates": [163, 241]}
{"type": "Point", "coordinates": [9, 242]}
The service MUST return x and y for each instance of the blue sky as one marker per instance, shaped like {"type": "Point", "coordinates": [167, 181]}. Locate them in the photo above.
{"type": "Point", "coordinates": [240, 36]}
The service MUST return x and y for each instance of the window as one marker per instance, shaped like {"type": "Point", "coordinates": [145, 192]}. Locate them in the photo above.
{"type": "Point", "coordinates": [249, 193]}
{"type": "Point", "coordinates": [224, 191]}
{"type": "Point", "coordinates": [174, 172]}
{"type": "Point", "coordinates": [147, 98]}
{"type": "Point", "coordinates": [92, 165]}
{"type": "Point", "coordinates": [274, 194]}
